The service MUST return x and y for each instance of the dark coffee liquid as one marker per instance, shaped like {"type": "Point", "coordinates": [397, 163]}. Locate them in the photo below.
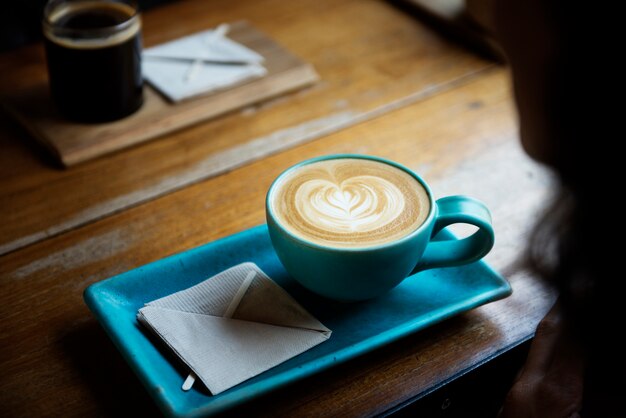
{"type": "Point", "coordinates": [98, 17]}
{"type": "Point", "coordinates": [95, 77]}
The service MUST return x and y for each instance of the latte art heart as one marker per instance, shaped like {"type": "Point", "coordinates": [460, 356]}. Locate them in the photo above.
{"type": "Point", "coordinates": [349, 202]}
{"type": "Point", "coordinates": [359, 204]}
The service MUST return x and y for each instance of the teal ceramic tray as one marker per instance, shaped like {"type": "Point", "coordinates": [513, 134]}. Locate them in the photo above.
{"type": "Point", "coordinates": [420, 301]}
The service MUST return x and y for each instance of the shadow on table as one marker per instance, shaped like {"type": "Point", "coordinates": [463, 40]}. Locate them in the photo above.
{"type": "Point", "coordinates": [105, 374]}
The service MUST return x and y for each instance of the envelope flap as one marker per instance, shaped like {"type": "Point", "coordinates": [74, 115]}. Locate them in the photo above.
{"type": "Point", "coordinates": [268, 303]}
{"type": "Point", "coordinates": [264, 301]}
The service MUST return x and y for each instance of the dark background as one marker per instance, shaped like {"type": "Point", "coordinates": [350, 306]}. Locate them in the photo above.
{"type": "Point", "coordinates": [20, 21]}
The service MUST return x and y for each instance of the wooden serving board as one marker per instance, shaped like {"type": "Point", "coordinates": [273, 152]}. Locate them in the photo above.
{"type": "Point", "coordinates": [74, 143]}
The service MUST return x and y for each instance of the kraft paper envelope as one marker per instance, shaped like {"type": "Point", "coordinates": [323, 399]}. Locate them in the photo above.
{"type": "Point", "coordinates": [233, 326]}
{"type": "Point", "coordinates": [167, 66]}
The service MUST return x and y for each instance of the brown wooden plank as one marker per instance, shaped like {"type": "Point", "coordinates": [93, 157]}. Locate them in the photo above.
{"type": "Point", "coordinates": [371, 57]}
{"type": "Point", "coordinates": [75, 143]}
{"type": "Point", "coordinates": [57, 361]}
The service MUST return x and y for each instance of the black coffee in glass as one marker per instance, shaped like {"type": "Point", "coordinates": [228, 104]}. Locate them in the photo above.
{"type": "Point", "coordinates": [93, 49]}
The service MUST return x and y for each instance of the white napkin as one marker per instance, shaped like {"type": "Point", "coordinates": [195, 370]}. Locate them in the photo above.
{"type": "Point", "coordinates": [167, 66]}
{"type": "Point", "coordinates": [233, 326]}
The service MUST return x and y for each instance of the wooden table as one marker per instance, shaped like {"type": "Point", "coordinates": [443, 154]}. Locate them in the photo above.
{"type": "Point", "coordinates": [390, 86]}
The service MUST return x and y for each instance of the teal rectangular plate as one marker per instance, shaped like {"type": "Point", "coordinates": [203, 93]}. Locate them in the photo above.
{"type": "Point", "coordinates": [418, 302]}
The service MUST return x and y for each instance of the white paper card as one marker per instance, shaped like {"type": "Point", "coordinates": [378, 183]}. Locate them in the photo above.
{"type": "Point", "coordinates": [167, 66]}
{"type": "Point", "coordinates": [266, 328]}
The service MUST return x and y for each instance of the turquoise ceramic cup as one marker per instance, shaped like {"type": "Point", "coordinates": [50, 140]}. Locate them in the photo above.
{"type": "Point", "coordinates": [353, 274]}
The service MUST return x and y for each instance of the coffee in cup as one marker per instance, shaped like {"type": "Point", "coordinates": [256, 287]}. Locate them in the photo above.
{"type": "Point", "coordinates": [349, 203]}
{"type": "Point", "coordinates": [93, 50]}
{"type": "Point", "coordinates": [352, 227]}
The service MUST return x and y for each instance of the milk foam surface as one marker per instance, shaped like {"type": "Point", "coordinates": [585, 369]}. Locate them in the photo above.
{"type": "Point", "coordinates": [349, 202]}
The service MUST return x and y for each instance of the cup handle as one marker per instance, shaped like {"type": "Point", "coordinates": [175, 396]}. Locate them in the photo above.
{"type": "Point", "coordinates": [449, 253]}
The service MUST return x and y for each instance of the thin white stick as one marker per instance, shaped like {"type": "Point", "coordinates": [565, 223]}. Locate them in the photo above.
{"type": "Point", "coordinates": [195, 66]}
{"type": "Point", "coordinates": [232, 307]}
{"type": "Point", "coordinates": [239, 295]}
{"type": "Point", "coordinates": [189, 381]}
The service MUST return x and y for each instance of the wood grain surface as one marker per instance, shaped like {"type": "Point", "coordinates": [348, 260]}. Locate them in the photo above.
{"type": "Point", "coordinates": [372, 59]}
{"type": "Point", "coordinates": [434, 108]}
